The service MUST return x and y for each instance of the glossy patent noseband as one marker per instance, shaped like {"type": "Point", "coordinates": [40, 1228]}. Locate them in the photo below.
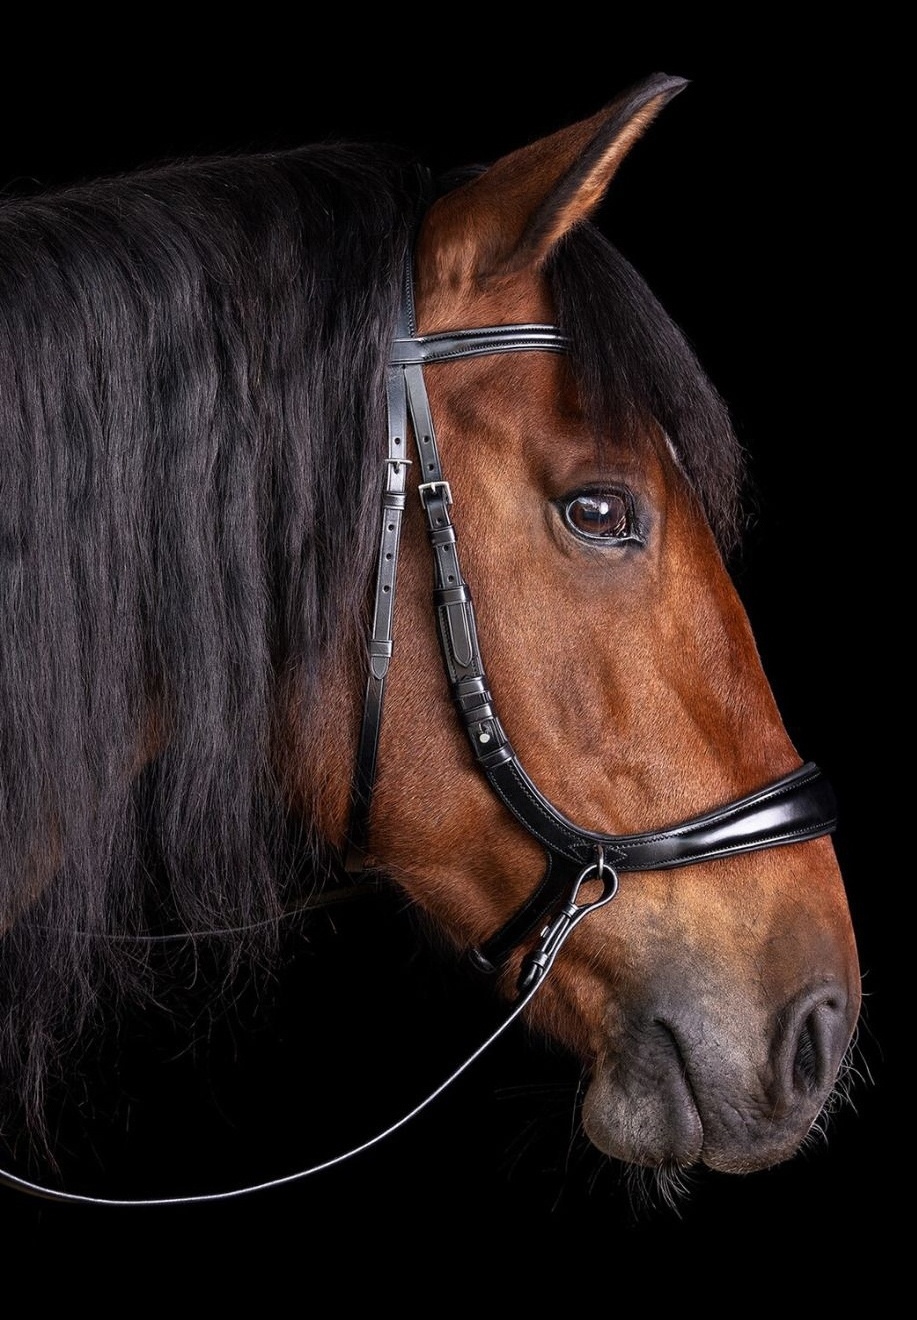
{"type": "Point", "coordinates": [797, 807]}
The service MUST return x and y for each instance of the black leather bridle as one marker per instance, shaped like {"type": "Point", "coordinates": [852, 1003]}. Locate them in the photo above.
{"type": "Point", "coordinates": [792, 809]}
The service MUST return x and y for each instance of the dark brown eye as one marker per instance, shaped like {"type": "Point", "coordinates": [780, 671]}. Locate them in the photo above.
{"type": "Point", "coordinates": [602, 516]}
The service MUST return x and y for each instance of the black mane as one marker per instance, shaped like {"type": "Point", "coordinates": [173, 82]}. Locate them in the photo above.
{"type": "Point", "coordinates": [191, 432]}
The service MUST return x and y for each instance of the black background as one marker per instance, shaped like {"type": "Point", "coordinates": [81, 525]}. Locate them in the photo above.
{"type": "Point", "coordinates": [757, 209]}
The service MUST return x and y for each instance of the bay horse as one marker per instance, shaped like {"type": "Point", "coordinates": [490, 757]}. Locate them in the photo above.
{"type": "Point", "coordinates": [247, 402]}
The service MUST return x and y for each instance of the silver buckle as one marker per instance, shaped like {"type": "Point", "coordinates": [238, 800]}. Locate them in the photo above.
{"type": "Point", "coordinates": [434, 485]}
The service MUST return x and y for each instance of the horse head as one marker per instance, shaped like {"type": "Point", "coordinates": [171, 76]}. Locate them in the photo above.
{"type": "Point", "coordinates": [592, 492]}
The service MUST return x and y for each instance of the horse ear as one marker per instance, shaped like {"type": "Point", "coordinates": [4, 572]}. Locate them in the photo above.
{"type": "Point", "coordinates": [513, 214]}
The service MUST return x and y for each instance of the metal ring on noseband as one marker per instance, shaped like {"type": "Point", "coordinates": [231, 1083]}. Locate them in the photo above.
{"type": "Point", "coordinates": [537, 964]}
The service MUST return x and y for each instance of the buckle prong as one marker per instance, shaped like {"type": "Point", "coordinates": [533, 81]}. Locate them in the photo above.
{"type": "Point", "coordinates": [432, 486]}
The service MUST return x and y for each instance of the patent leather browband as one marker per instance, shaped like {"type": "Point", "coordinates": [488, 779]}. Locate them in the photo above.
{"type": "Point", "coordinates": [792, 809]}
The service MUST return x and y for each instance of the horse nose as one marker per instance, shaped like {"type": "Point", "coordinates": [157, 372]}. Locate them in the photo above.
{"type": "Point", "coordinates": [719, 1079]}
{"type": "Point", "coordinates": [811, 1039]}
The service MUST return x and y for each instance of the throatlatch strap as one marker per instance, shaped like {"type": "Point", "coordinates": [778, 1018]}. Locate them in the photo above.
{"type": "Point", "coordinates": [380, 645]}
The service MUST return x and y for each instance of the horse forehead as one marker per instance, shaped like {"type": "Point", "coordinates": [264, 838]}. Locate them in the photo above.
{"type": "Point", "coordinates": [523, 411]}
{"type": "Point", "coordinates": [525, 386]}
{"type": "Point", "coordinates": [522, 297]}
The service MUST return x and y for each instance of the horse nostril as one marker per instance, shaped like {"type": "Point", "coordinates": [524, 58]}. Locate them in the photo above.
{"type": "Point", "coordinates": [805, 1064]}
{"type": "Point", "coordinates": [820, 1044]}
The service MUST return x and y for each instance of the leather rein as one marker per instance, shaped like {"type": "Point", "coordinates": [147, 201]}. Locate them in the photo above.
{"type": "Point", "coordinates": [795, 808]}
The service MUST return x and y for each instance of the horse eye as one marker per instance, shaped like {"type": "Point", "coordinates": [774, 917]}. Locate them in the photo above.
{"type": "Point", "coordinates": [601, 516]}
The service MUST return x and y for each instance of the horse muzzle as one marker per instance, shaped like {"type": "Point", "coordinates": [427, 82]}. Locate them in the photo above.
{"type": "Point", "coordinates": [702, 1081]}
